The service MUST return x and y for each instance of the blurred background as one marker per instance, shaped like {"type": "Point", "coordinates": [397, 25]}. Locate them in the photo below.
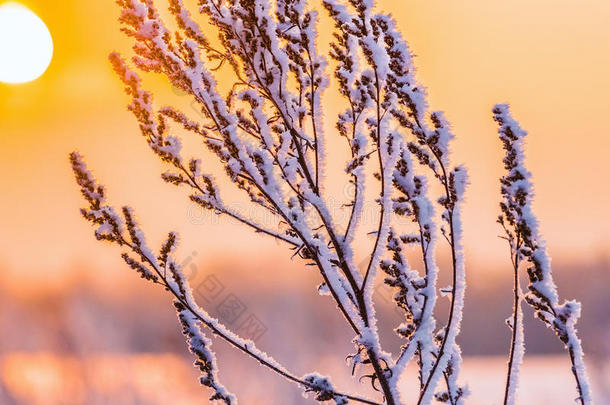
{"type": "Point", "coordinates": [78, 327]}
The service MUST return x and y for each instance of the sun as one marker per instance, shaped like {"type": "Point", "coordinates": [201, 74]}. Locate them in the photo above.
{"type": "Point", "coordinates": [26, 46]}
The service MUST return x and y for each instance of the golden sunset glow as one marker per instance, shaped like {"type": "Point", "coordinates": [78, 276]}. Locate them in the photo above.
{"type": "Point", "coordinates": [26, 46]}
{"type": "Point", "coordinates": [76, 318]}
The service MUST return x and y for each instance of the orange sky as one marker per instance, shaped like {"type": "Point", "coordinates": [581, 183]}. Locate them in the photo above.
{"type": "Point", "coordinates": [549, 59]}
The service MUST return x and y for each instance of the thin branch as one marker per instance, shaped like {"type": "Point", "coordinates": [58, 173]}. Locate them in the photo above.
{"type": "Point", "coordinates": [517, 331]}
{"type": "Point", "coordinates": [249, 348]}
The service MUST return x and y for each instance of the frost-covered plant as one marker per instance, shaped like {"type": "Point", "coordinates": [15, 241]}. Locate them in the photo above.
{"type": "Point", "coordinates": [266, 130]}
{"type": "Point", "coordinates": [526, 246]}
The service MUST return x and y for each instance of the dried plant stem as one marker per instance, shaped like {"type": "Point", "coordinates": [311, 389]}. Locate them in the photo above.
{"type": "Point", "coordinates": [382, 174]}
{"type": "Point", "coordinates": [512, 373]}
{"type": "Point", "coordinates": [452, 311]}
{"type": "Point", "coordinates": [579, 378]}
{"type": "Point", "coordinates": [452, 401]}
{"type": "Point", "coordinates": [383, 380]}
{"type": "Point", "coordinates": [442, 349]}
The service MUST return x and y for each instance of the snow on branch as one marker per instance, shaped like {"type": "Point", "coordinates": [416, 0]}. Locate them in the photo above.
{"type": "Point", "coordinates": [264, 124]}
{"type": "Point", "coordinates": [521, 225]}
{"type": "Point", "coordinates": [164, 270]}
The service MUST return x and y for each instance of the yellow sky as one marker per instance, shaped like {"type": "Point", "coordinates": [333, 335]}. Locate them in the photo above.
{"type": "Point", "coordinates": [549, 59]}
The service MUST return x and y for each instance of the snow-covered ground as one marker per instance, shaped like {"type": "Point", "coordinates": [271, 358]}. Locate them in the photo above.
{"type": "Point", "coordinates": [48, 379]}
{"type": "Point", "coordinates": [544, 380]}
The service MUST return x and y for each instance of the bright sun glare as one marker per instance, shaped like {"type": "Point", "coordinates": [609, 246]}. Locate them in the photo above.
{"type": "Point", "coordinates": [26, 47]}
